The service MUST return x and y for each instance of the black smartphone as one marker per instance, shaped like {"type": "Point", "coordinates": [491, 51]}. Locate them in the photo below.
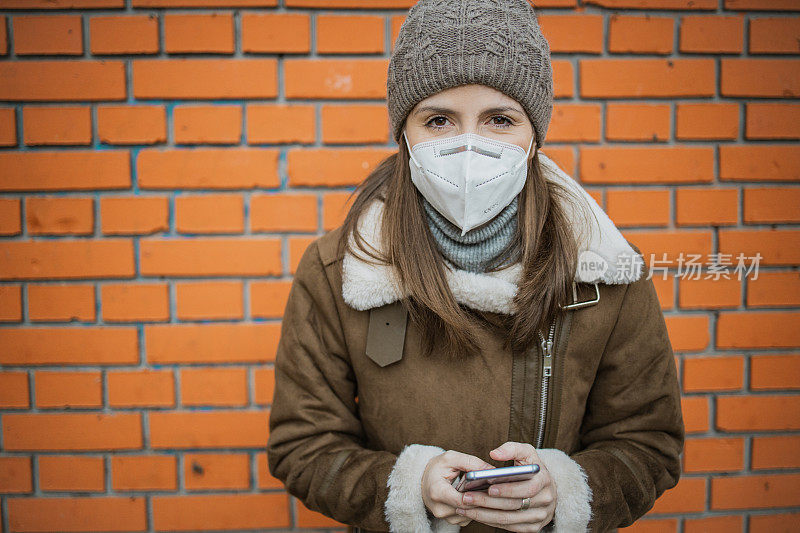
{"type": "Point", "coordinates": [482, 479]}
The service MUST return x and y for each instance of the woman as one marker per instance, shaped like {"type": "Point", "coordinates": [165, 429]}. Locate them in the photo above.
{"type": "Point", "coordinates": [476, 309]}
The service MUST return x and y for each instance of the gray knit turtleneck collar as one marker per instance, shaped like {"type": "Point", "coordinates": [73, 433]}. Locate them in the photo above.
{"type": "Point", "coordinates": [476, 250]}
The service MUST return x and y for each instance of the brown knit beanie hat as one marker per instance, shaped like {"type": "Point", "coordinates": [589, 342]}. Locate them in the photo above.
{"type": "Point", "coordinates": [447, 43]}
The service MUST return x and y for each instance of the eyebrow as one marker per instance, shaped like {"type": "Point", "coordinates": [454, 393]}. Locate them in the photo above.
{"type": "Point", "coordinates": [447, 110]}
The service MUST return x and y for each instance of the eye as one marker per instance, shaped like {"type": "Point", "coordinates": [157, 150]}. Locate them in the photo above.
{"type": "Point", "coordinates": [507, 121]}
{"type": "Point", "coordinates": [436, 123]}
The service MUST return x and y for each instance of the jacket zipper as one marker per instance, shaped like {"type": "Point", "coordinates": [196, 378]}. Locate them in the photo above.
{"type": "Point", "coordinates": [547, 371]}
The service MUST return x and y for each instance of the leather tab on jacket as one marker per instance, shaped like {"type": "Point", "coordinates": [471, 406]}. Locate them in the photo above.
{"type": "Point", "coordinates": [386, 333]}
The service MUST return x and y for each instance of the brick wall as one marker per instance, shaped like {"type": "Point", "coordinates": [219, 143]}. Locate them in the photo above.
{"type": "Point", "coordinates": [164, 163]}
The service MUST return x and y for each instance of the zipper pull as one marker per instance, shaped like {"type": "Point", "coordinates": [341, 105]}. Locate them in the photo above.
{"type": "Point", "coordinates": [548, 359]}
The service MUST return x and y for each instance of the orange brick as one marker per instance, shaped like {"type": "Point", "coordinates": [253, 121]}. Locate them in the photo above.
{"type": "Point", "coordinates": [69, 346]}
{"type": "Point", "coordinates": [141, 388]}
{"type": "Point", "coordinates": [207, 124]}
{"type": "Point", "coordinates": [772, 121]}
{"type": "Point", "coordinates": [3, 37]}
{"type": "Point", "coordinates": [67, 259]}
{"type": "Point", "coordinates": [59, 216]}
{"type": "Point", "coordinates": [350, 34]}
{"type": "Point", "coordinates": [323, 167]}
{"type": "Point", "coordinates": [637, 78]}
{"type": "Point", "coordinates": [572, 33]}
{"type": "Point", "coordinates": [297, 245]}
{"type": "Point", "coordinates": [61, 302]}
{"type": "Point", "coordinates": [665, 292]}
{"type": "Point", "coordinates": [355, 124]}
{"type": "Point", "coordinates": [143, 472]}
{"type": "Point", "coordinates": [713, 524]}
{"type": "Point", "coordinates": [769, 329]}
{"type": "Point", "coordinates": [276, 33]}
{"type": "Point", "coordinates": [563, 79]}
{"type": "Point", "coordinates": [14, 393]}
{"type": "Point", "coordinates": [637, 34]}
{"type": "Point", "coordinates": [60, 4]}
{"type": "Point", "coordinates": [64, 170]}
{"type": "Point", "coordinates": [771, 205]}
{"type": "Point", "coordinates": [760, 5]}
{"type": "Point", "coordinates": [713, 373]}
{"type": "Point", "coordinates": [76, 514]}
{"type": "Point", "coordinates": [774, 35]}
{"type": "Point", "coordinates": [636, 164]}
{"type": "Point", "coordinates": [713, 34]}
{"type": "Point", "coordinates": [574, 122]}
{"type": "Point", "coordinates": [265, 385]}
{"type": "Point", "coordinates": [778, 78]}
{"type": "Point", "coordinates": [774, 523]}
{"type": "Point", "coordinates": [365, 4]}
{"type": "Point", "coordinates": [688, 333]}
{"type": "Point", "coordinates": [650, 525]}
{"type": "Point", "coordinates": [192, 213]}
{"type": "Point", "coordinates": [214, 386]}
{"type": "Point", "coordinates": [265, 480]}
{"type": "Point", "coordinates": [211, 257]}
{"type": "Point", "coordinates": [709, 291]}
{"type": "Point", "coordinates": [221, 511]}
{"type": "Point", "coordinates": [758, 413]}
{"type": "Point", "coordinates": [211, 343]}
{"type": "Point", "coordinates": [776, 452]}
{"type": "Point", "coordinates": [759, 162]}
{"type": "Point", "coordinates": [283, 212]}
{"type": "Point", "coordinates": [204, 471]}
{"type": "Point", "coordinates": [76, 431]}
{"type": "Point", "coordinates": [209, 300]}
{"type": "Point", "coordinates": [205, 3]}
{"type": "Point", "coordinates": [707, 121]}
{"type": "Point", "coordinates": [57, 125]}
{"type": "Point", "coordinates": [635, 207]}
{"type": "Point", "coordinates": [8, 126]}
{"type": "Point", "coordinates": [130, 34]}
{"type": "Point", "coordinates": [774, 289]}
{"type": "Point", "coordinates": [212, 32]}
{"type": "Point", "coordinates": [656, 4]}
{"type": "Point", "coordinates": [139, 124]}
{"type": "Point", "coordinates": [335, 206]}
{"type": "Point", "coordinates": [688, 496]}
{"type": "Point", "coordinates": [664, 248]}
{"type": "Point", "coordinates": [224, 168]}
{"type": "Point", "coordinates": [268, 298]}
{"type": "Point", "coordinates": [706, 207]}
{"type": "Point", "coordinates": [208, 429]}
{"type": "Point", "coordinates": [62, 80]}
{"type": "Point", "coordinates": [637, 122]}
{"type": "Point", "coordinates": [307, 518]}
{"type": "Point", "coordinates": [10, 303]}
{"type": "Point", "coordinates": [278, 124]}
{"type": "Point", "coordinates": [71, 473]}
{"type": "Point", "coordinates": [15, 474]}
{"type": "Point", "coordinates": [10, 216]}
{"type": "Point", "coordinates": [134, 215]}
{"type": "Point", "coordinates": [775, 372]}
{"type": "Point", "coordinates": [777, 247]}
{"type": "Point", "coordinates": [205, 78]}
{"type": "Point", "coordinates": [335, 78]}
{"type": "Point", "coordinates": [755, 492]}
{"type": "Point", "coordinates": [132, 302]}
{"type": "Point", "coordinates": [48, 34]}
{"type": "Point", "coordinates": [713, 455]}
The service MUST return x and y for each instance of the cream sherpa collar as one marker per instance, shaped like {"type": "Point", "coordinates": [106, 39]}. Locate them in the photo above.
{"type": "Point", "coordinates": [366, 285]}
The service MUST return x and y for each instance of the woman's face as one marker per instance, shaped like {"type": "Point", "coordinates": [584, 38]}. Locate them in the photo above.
{"type": "Point", "coordinates": [470, 109]}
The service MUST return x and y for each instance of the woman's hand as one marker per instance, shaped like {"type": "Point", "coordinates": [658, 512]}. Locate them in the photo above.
{"type": "Point", "coordinates": [438, 493]}
{"type": "Point", "coordinates": [501, 506]}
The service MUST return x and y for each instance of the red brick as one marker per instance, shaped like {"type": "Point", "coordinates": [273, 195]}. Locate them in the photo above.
{"type": "Point", "coordinates": [777, 247]}
{"type": "Point", "coordinates": [192, 213]}
{"type": "Point", "coordinates": [209, 300]}
{"type": "Point", "coordinates": [364, 4]}
{"type": "Point", "coordinates": [280, 124]}
{"type": "Point", "coordinates": [219, 511]}
{"type": "Point", "coordinates": [563, 78]}
{"type": "Point", "coordinates": [71, 473]}
{"type": "Point", "coordinates": [707, 121]}
{"type": "Point", "coordinates": [211, 257]}
{"type": "Point", "coordinates": [214, 124]}
{"type": "Point", "coordinates": [776, 452]}
{"type": "Point", "coordinates": [774, 35]}
{"type": "Point", "coordinates": [350, 34]}
{"type": "Point", "coordinates": [656, 4]}
{"type": "Point", "coordinates": [64, 170]}
{"type": "Point", "coordinates": [637, 164]}
{"type": "Point", "coordinates": [204, 471]}
{"type": "Point", "coordinates": [205, 3]}
{"type": "Point", "coordinates": [205, 78]}
{"type": "Point", "coordinates": [8, 126]}
{"type": "Point", "coordinates": [265, 385]}
{"type": "Point", "coordinates": [10, 216]}
{"type": "Point", "coordinates": [268, 298]}
{"type": "Point", "coordinates": [214, 386]}
{"type": "Point", "coordinates": [208, 429]}
{"type": "Point", "coordinates": [758, 413]}
{"type": "Point", "coordinates": [141, 388]}
{"type": "Point", "coordinates": [774, 289]}
{"type": "Point", "coordinates": [637, 78]}
{"type": "Point", "coordinates": [143, 472]}
{"type": "Point", "coordinates": [775, 372]}
{"type": "Point", "coordinates": [713, 524]}
{"type": "Point", "coordinates": [772, 121]}
{"type": "Point", "coordinates": [3, 36]}
{"type": "Point", "coordinates": [335, 78]}
{"type": "Point", "coordinates": [774, 523]}
{"type": "Point", "coordinates": [335, 206]}
{"type": "Point", "coordinates": [355, 124]}
{"type": "Point", "coordinates": [664, 248]}
{"type": "Point", "coordinates": [713, 455]}
{"type": "Point", "coordinates": [709, 291]}
{"type": "Point", "coordinates": [130, 34]}
{"type": "Point", "coordinates": [14, 393]}
{"type": "Point", "coordinates": [135, 124]}
{"type": "Point", "coordinates": [636, 34]}
{"type": "Point", "coordinates": [574, 122]}
{"type": "Point", "coordinates": [712, 34]}
{"type": "Point", "coordinates": [636, 207]}
{"type": "Point", "coordinates": [135, 302]}
{"type": "Point", "coordinates": [706, 207]}
{"type": "Point", "coordinates": [283, 212]}
{"type": "Point", "coordinates": [76, 431]}
{"type": "Point", "coordinates": [60, 302]}
{"type": "Point", "coordinates": [761, 5]}
{"type": "Point", "coordinates": [57, 125]}
{"type": "Point", "coordinates": [771, 205]}
{"type": "Point", "coordinates": [48, 34]}
{"type": "Point", "coordinates": [713, 373]}
{"type": "Point", "coordinates": [128, 513]}
{"type": "Point", "coordinates": [755, 492]}
{"type": "Point", "coordinates": [211, 343]}
{"type": "Point", "coordinates": [59, 216]}
{"type": "Point", "coordinates": [688, 496]}
{"type": "Point", "coordinates": [637, 122]}
{"type": "Point", "coordinates": [265, 480]}
{"type": "Point", "coordinates": [134, 215]}
{"type": "Point", "coordinates": [15, 474]}
{"type": "Point", "coordinates": [60, 4]}
{"type": "Point", "coordinates": [276, 33]}
{"type": "Point", "coordinates": [62, 80]}
{"type": "Point", "coordinates": [768, 329]}
{"type": "Point", "coordinates": [223, 168]}
{"type": "Point", "coordinates": [68, 259]}
{"type": "Point", "coordinates": [211, 32]}
{"type": "Point", "coordinates": [323, 167]}
{"type": "Point", "coordinates": [759, 162]}
{"type": "Point", "coordinates": [69, 346]}
{"type": "Point", "coordinates": [777, 78]}
{"type": "Point", "coordinates": [695, 413]}
{"type": "Point", "coordinates": [650, 525]}
{"type": "Point", "coordinates": [572, 33]}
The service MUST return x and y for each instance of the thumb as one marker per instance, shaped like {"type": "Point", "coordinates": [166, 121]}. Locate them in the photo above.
{"type": "Point", "coordinates": [512, 450]}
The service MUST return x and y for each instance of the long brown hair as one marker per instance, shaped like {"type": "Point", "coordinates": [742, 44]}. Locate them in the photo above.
{"type": "Point", "coordinates": [544, 241]}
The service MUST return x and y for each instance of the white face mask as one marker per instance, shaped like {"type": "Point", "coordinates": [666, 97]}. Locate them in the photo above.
{"type": "Point", "coordinates": [468, 178]}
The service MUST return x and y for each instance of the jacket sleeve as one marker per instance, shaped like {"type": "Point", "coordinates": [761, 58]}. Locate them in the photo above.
{"type": "Point", "coordinates": [316, 445]}
{"type": "Point", "coordinates": [632, 433]}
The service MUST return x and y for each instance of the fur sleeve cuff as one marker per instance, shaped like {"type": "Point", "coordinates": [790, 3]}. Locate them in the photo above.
{"type": "Point", "coordinates": [405, 511]}
{"type": "Point", "coordinates": [574, 497]}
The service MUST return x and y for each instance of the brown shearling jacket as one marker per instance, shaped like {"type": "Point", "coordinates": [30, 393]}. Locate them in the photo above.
{"type": "Point", "coordinates": [358, 411]}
